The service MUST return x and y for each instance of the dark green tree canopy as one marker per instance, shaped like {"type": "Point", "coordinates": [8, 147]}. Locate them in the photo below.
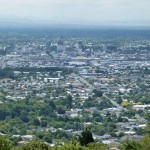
{"type": "Point", "coordinates": [86, 137]}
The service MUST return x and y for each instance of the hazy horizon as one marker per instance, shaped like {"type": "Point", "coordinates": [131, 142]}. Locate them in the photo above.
{"type": "Point", "coordinates": [75, 12]}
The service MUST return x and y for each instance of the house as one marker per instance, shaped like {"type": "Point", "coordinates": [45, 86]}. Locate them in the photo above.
{"type": "Point", "coordinates": [130, 132]}
{"type": "Point", "coordinates": [140, 107]}
{"type": "Point", "coordinates": [142, 126]}
{"type": "Point", "coordinates": [21, 143]}
{"type": "Point", "coordinates": [27, 137]}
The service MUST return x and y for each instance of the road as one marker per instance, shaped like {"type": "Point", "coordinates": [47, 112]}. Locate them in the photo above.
{"type": "Point", "coordinates": [92, 87]}
{"type": "Point", "coordinates": [112, 101]}
{"type": "Point", "coordinates": [115, 103]}
{"type": "Point", "coordinates": [84, 81]}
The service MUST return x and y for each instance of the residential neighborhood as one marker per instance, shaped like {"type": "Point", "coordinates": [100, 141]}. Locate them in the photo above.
{"type": "Point", "coordinates": [52, 89]}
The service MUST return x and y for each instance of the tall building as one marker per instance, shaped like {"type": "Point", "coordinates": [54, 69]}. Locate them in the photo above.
{"type": "Point", "coordinates": [3, 59]}
{"type": "Point", "coordinates": [3, 62]}
{"type": "Point", "coordinates": [61, 46]}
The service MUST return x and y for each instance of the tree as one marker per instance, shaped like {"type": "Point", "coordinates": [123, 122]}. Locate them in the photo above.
{"type": "Point", "coordinates": [97, 93]}
{"type": "Point", "coordinates": [34, 145]}
{"type": "Point", "coordinates": [24, 118]}
{"type": "Point", "coordinates": [145, 143]}
{"type": "Point", "coordinates": [4, 113]}
{"type": "Point", "coordinates": [43, 123]}
{"type": "Point", "coordinates": [146, 140]}
{"type": "Point", "coordinates": [48, 139]}
{"type": "Point", "coordinates": [60, 134]}
{"type": "Point", "coordinates": [4, 145]}
{"type": "Point", "coordinates": [147, 116]}
{"type": "Point", "coordinates": [52, 104]}
{"type": "Point", "coordinates": [86, 137]}
{"type": "Point", "coordinates": [61, 110]}
{"type": "Point", "coordinates": [125, 104]}
{"type": "Point", "coordinates": [69, 100]}
{"type": "Point", "coordinates": [148, 129]}
{"type": "Point", "coordinates": [101, 131]}
{"type": "Point", "coordinates": [23, 131]}
{"type": "Point", "coordinates": [35, 122]}
{"type": "Point", "coordinates": [97, 146]}
{"type": "Point", "coordinates": [131, 145]}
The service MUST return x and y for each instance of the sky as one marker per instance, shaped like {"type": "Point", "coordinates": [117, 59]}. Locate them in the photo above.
{"type": "Point", "coordinates": [88, 12]}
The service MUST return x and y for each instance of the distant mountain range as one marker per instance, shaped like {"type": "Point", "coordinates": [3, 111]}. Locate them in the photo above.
{"type": "Point", "coordinates": [26, 23]}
